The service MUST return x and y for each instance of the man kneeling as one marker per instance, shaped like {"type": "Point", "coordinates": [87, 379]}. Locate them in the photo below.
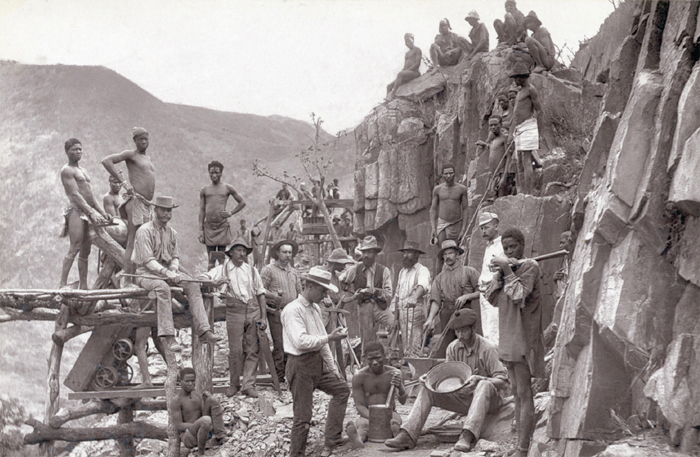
{"type": "Point", "coordinates": [370, 386]}
{"type": "Point", "coordinates": [197, 417]}
{"type": "Point", "coordinates": [478, 397]}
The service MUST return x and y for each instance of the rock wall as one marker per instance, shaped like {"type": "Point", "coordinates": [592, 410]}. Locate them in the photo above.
{"type": "Point", "coordinates": [621, 170]}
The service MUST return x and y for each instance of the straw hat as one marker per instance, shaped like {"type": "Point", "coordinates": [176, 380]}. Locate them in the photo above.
{"type": "Point", "coordinates": [321, 277]}
{"type": "Point", "coordinates": [339, 256]}
{"type": "Point", "coordinates": [164, 202]}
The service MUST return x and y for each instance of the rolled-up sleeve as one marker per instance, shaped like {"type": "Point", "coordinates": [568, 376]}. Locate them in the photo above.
{"type": "Point", "coordinates": [143, 248]}
{"type": "Point", "coordinates": [258, 288]}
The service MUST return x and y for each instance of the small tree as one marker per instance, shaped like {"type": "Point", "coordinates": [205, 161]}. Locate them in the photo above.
{"type": "Point", "coordinates": [315, 163]}
{"type": "Point", "coordinates": [12, 416]}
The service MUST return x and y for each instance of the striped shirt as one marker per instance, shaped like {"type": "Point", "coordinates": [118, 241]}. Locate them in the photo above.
{"type": "Point", "coordinates": [275, 278]}
{"type": "Point", "coordinates": [154, 242]}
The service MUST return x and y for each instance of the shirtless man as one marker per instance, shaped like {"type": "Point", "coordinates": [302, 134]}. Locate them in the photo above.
{"type": "Point", "coordinates": [448, 209]}
{"type": "Point", "coordinates": [111, 202]}
{"type": "Point", "coordinates": [539, 45]}
{"type": "Point", "coordinates": [140, 188]}
{"type": "Point", "coordinates": [82, 203]}
{"type": "Point", "coordinates": [446, 50]}
{"type": "Point", "coordinates": [410, 67]}
{"type": "Point", "coordinates": [512, 29]}
{"type": "Point", "coordinates": [496, 142]}
{"type": "Point", "coordinates": [526, 117]}
{"type": "Point", "coordinates": [195, 416]}
{"type": "Point", "coordinates": [505, 110]}
{"type": "Point", "coordinates": [370, 386]}
{"type": "Point", "coordinates": [214, 229]}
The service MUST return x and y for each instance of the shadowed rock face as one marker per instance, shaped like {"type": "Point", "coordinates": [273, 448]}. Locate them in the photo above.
{"type": "Point", "coordinates": [628, 335]}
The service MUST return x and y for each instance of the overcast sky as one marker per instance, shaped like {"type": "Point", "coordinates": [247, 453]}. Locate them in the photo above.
{"type": "Point", "coordinates": [331, 57]}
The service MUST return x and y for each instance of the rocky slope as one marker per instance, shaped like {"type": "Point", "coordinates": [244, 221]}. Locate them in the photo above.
{"type": "Point", "coordinates": [625, 356]}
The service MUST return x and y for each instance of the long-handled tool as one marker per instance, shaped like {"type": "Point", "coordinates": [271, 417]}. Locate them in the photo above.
{"type": "Point", "coordinates": [204, 282]}
{"type": "Point", "coordinates": [267, 354]}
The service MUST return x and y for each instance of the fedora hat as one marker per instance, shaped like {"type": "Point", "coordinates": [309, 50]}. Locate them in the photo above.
{"type": "Point", "coordinates": [532, 17]}
{"type": "Point", "coordinates": [369, 243]}
{"type": "Point", "coordinates": [409, 245]}
{"type": "Point", "coordinates": [239, 242]}
{"type": "Point", "coordinates": [449, 244]}
{"type": "Point", "coordinates": [164, 202]}
{"type": "Point", "coordinates": [339, 256]}
{"type": "Point", "coordinates": [292, 243]}
{"type": "Point", "coordinates": [321, 277]}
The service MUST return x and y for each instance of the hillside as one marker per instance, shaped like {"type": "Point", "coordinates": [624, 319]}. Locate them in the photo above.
{"type": "Point", "coordinates": [49, 104]}
{"type": "Point", "coordinates": [45, 105]}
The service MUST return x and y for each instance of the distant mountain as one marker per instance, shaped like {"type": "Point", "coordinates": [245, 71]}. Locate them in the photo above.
{"type": "Point", "coordinates": [45, 105]}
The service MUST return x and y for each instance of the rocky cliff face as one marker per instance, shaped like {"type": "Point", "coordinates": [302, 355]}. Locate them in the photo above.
{"type": "Point", "coordinates": [621, 170]}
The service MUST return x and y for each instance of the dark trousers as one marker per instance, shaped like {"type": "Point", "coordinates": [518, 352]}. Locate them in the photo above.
{"type": "Point", "coordinates": [304, 374]}
{"type": "Point", "coordinates": [278, 355]}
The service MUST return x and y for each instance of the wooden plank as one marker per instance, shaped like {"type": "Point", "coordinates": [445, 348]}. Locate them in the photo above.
{"type": "Point", "coordinates": [330, 203]}
{"type": "Point", "coordinates": [155, 391]}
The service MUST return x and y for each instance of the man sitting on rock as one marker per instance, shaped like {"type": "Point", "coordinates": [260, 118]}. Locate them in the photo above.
{"type": "Point", "coordinates": [196, 417]}
{"type": "Point", "coordinates": [539, 45]}
{"type": "Point", "coordinates": [446, 50]}
{"type": "Point", "coordinates": [479, 35]}
{"type": "Point", "coordinates": [512, 29]}
{"type": "Point", "coordinates": [480, 395]}
{"type": "Point", "coordinates": [370, 386]}
{"type": "Point", "coordinates": [410, 67]}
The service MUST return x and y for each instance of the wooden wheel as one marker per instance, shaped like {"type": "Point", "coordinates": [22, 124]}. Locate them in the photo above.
{"type": "Point", "coordinates": [106, 377]}
{"type": "Point", "coordinates": [123, 349]}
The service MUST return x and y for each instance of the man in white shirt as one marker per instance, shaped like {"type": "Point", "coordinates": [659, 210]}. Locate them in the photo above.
{"type": "Point", "coordinates": [488, 223]}
{"type": "Point", "coordinates": [411, 289]}
{"type": "Point", "coordinates": [246, 312]}
{"type": "Point", "coordinates": [310, 364]}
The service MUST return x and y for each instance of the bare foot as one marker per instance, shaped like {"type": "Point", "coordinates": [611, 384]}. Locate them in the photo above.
{"type": "Point", "coordinates": [355, 441]}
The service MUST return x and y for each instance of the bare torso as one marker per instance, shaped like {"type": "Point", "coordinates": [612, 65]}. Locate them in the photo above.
{"type": "Point", "coordinates": [412, 59]}
{"type": "Point", "coordinates": [142, 174]}
{"type": "Point", "coordinates": [81, 178]}
{"type": "Point", "coordinates": [215, 198]}
{"type": "Point", "coordinates": [497, 149]}
{"type": "Point", "coordinates": [375, 388]}
{"type": "Point", "coordinates": [450, 200]}
{"type": "Point", "coordinates": [190, 406]}
{"type": "Point", "coordinates": [111, 203]}
{"type": "Point", "coordinates": [523, 109]}
{"type": "Point", "coordinates": [542, 35]}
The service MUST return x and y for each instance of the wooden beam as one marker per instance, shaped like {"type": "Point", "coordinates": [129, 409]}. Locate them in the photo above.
{"type": "Point", "coordinates": [330, 203]}
{"type": "Point", "coordinates": [53, 379]}
{"type": "Point", "coordinates": [43, 433]}
{"type": "Point", "coordinates": [63, 335]}
{"type": "Point", "coordinates": [147, 393]}
{"type": "Point", "coordinates": [87, 409]}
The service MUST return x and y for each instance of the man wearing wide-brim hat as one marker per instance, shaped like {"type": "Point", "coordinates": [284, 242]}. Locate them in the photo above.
{"type": "Point", "coordinates": [282, 285]}
{"type": "Point", "coordinates": [539, 45]}
{"type": "Point", "coordinates": [479, 35]}
{"type": "Point", "coordinates": [246, 312]}
{"type": "Point", "coordinates": [310, 364]}
{"type": "Point", "coordinates": [371, 283]}
{"type": "Point", "coordinates": [156, 255]}
{"type": "Point", "coordinates": [479, 396]}
{"type": "Point", "coordinates": [488, 224]}
{"type": "Point", "coordinates": [412, 287]}
{"type": "Point", "coordinates": [454, 288]}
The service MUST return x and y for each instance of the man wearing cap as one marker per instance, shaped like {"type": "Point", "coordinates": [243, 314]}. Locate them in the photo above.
{"type": "Point", "coordinates": [82, 202]}
{"type": "Point", "coordinates": [448, 208]}
{"type": "Point", "coordinates": [454, 288]}
{"type": "Point", "coordinates": [310, 364]}
{"type": "Point", "coordinates": [409, 304]}
{"type": "Point", "coordinates": [282, 285]}
{"type": "Point", "coordinates": [512, 29]}
{"type": "Point", "coordinates": [526, 117]}
{"type": "Point", "coordinates": [410, 67]}
{"type": "Point", "coordinates": [516, 291]}
{"type": "Point", "coordinates": [479, 396]}
{"type": "Point", "coordinates": [372, 286]}
{"type": "Point", "coordinates": [156, 255]}
{"type": "Point", "coordinates": [479, 36]}
{"type": "Point", "coordinates": [488, 224]}
{"type": "Point", "coordinates": [539, 45]}
{"type": "Point", "coordinates": [214, 229]}
{"type": "Point", "coordinates": [140, 188]}
{"type": "Point", "coordinates": [246, 312]}
{"type": "Point", "coordinates": [446, 50]}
